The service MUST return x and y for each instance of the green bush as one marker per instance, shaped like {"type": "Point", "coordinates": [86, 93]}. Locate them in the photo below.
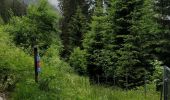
{"type": "Point", "coordinates": [13, 62]}
{"type": "Point", "coordinates": [78, 61]}
{"type": "Point", "coordinates": [157, 76]}
{"type": "Point", "coordinates": [52, 79]}
{"type": "Point", "coordinates": [38, 27]}
{"type": "Point", "coordinates": [158, 72]}
{"type": "Point", "coordinates": [58, 83]}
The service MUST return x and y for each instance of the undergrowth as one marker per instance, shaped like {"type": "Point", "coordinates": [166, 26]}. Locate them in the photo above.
{"type": "Point", "coordinates": [57, 81]}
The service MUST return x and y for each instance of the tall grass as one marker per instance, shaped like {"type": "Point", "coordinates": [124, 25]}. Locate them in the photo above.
{"type": "Point", "coordinates": [58, 82]}
{"type": "Point", "coordinates": [13, 62]}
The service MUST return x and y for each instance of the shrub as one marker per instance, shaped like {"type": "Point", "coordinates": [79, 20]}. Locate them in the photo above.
{"type": "Point", "coordinates": [38, 27]}
{"type": "Point", "coordinates": [78, 61]}
{"type": "Point", "coordinates": [158, 74]}
{"type": "Point", "coordinates": [13, 62]}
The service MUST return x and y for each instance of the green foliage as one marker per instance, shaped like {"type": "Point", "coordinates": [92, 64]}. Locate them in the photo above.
{"type": "Point", "coordinates": [161, 46]}
{"type": "Point", "coordinates": [77, 28]}
{"type": "Point", "coordinates": [38, 27]}
{"type": "Point", "coordinates": [135, 30]}
{"type": "Point", "coordinates": [74, 23]}
{"type": "Point", "coordinates": [58, 82]}
{"type": "Point", "coordinates": [16, 6]}
{"type": "Point", "coordinates": [1, 21]}
{"type": "Point", "coordinates": [158, 74]}
{"type": "Point", "coordinates": [162, 7]}
{"type": "Point", "coordinates": [78, 61]}
{"type": "Point", "coordinates": [121, 42]}
{"type": "Point", "coordinates": [13, 62]}
{"type": "Point", "coordinates": [98, 44]}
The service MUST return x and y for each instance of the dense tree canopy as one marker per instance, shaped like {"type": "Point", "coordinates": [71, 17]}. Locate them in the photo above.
{"type": "Point", "coordinates": [120, 39]}
{"type": "Point", "coordinates": [76, 14]}
{"type": "Point", "coordinates": [11, 7]}
{"type": "Point", "coordinates": [38, 27]}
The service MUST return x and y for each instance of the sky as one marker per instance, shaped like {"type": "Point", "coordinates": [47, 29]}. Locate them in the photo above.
{"type": "Point", "coordinates": [54, 3]}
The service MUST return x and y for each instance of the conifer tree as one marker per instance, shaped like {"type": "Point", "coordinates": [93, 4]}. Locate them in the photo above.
{"type": "Point", "coordinates": [15, 6]}
{"type": "Point", "coordinates": [77, 27]}
{"type": "Point", "coordinates": [70, 10]}
{"type": "Point", "coordinates": [96, 43]}
{"type": "Point", "coordinates": [131, 39]}
{"type": "Point", "coordinates": [162, 46]}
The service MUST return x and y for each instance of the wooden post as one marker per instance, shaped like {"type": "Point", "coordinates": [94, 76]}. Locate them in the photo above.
{"type": "Point", "coordinates": [35, 63]}
{"type": "Point", "coordinates": [145, 88]}
{"type": "Point", "coordinates": [165, 86]}
{"type": "Point", "coordinates": [114, 80]}
{"type": "Point", "coordinates": [126, 80]}
{"type": "Point", "coordinates": [98, 79]}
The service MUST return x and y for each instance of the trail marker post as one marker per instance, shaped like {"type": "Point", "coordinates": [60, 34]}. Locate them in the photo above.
{"type": "Point", "coordinates": [36, 63]}
{"type": "Point", "coordinates": [165, 82]}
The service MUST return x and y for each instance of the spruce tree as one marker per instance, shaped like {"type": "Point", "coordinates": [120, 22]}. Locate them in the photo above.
{"type": "Point", "coordinates": [161, 47]}
{"type": "Point", "coordinates": [15, 7]}
{"type": "Point", "coordinates": [70, 10]}
{"type": "Point", "coordinates": [77, 27]}
{"type": "Point", "coordinates": [131, 40]}
{"type": "Point", "coordinates": [96, 43]}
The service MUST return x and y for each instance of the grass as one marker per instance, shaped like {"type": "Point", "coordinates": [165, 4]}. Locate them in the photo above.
{"type": "Point", "coordinates": [74, 87]}
{"type": "Point", "coordinates": [58, 82]}
{"type": "Point", "coordinates": [118, 94]}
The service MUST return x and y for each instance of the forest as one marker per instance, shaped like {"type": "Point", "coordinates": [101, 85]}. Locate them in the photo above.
{"type": "Point", "coordinates": [88, 49]}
